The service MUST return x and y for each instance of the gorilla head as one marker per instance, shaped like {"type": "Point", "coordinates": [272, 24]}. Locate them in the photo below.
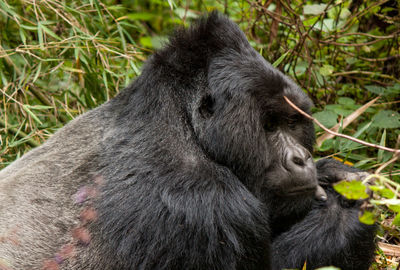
{"type": "Point", "coordinates": [237, 110]}
{"type": "Point", "coordinates": [190, 163]}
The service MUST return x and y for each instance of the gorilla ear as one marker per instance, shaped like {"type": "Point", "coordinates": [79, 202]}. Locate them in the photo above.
{"type": "Point", "coordinates": [206, 108]}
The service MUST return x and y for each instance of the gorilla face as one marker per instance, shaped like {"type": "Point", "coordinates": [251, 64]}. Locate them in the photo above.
{"type": "Point", "coordinates": [247, 126]}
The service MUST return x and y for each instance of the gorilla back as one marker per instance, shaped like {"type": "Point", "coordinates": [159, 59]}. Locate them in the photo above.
{"type": "Point", "coordinates": [174, 173]}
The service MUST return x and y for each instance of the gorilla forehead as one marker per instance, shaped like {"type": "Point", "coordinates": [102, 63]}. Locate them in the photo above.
{"type": "Point", "coordinates": [217, 47]}
{"type": "Point", "coordinates": [247, 73]}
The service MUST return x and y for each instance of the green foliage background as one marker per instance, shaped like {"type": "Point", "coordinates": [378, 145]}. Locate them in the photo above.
{"type": "Point", "coordinates": [61, 58]}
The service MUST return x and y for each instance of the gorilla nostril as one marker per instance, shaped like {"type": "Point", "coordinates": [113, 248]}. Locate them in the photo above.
{"type": "Point", "coordinates": [298, 161]}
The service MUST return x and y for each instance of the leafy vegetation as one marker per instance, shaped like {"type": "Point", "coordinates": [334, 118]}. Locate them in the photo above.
{"type": "Point", "coordinates": [59, 59]}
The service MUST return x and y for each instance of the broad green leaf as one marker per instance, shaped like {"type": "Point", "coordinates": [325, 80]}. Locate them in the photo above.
{"type": "Point", "coordinates": [301, 67]}
{"type": "Point", "coordinates": [326, 145]}
{"type": "Point", "coordinates": [146, 42]}
{"type": "Point", "coordinates": [315, 9]}
{"type": "Point", "coordinates": [376, 89]}
{"type": "Point", "coordinates": [326, 70]}
{"type": "Point", "coordinates": [352, 190]}
{"type": "Point", "coordinates": [386, 119]}
{"type": "Point", "coordinates": [346, 101]}
{"type": "Point", "coordinates": [384, 192]}
{"type": "Point", "coordinates": [188, 14]}
{"type": "Point", "coordinates": [345, 13]}
{"type": "Point", "coordinates": [367, 218]}
{"type": "Point", "coordinates": [395, 89]}
{"type": "Point", "coordinates": [158, 41]}
{"type": "Point", "coordinates": [395, 208]}
{"type": "Point", "coordinates": [380, 90]}
{"type": "Point", "coordinates": [396, 220]}
{"type": "Point", "coordinates": [327, 118]}
{"type": "Point", "coordinates": [310, 21]}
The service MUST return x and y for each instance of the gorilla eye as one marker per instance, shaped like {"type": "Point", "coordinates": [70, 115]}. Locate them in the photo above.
{"type": "Point", "coordinates": [206, 108]}
{"type": "Point", "coordinates": [292, 123]}
{"type": "Point", "coordinates": [269, 126]}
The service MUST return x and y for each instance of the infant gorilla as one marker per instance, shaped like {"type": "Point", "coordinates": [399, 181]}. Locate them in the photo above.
{"type": "Point", "coordinates": [198, 164]}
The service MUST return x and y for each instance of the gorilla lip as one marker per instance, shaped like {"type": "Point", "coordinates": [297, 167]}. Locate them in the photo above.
{"type": "Point", "coordinates": [301, 190]}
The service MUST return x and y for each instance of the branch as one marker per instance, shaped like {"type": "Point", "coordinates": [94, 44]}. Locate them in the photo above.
{"type": "Point", "coordinates": [396, 151]}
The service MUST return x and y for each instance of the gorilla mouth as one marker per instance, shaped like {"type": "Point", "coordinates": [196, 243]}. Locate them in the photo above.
{"type": "Point", "coordinates": [301, 190]}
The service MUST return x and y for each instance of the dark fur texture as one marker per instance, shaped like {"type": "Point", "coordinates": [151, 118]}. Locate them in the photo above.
{"type": "Point", "coordinates": [190, 167]}
{"type": "Point", "coordinates": [325, 232]}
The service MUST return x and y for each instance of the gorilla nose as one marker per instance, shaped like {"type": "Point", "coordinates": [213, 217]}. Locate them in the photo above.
{"type": "Point", "coordinates": [300, 165]}
{"type": "Point", "coordinates": [299, 161]}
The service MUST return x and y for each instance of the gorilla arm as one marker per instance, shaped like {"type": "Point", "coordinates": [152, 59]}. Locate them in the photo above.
{"type": "Point", "coordinates": [331, 233]}
{"type": "Point", "coordinates": [198, 217]}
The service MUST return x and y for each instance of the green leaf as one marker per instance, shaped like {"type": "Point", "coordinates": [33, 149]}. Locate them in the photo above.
{"type": "Point", "coordinates": [315, 9]}
{"type": "Point", "coordinates": [346, 101]}
{"type": "Point", "coordinates": [382, 143]}
{"type": "Point", "coordinates": [171, 4]}
{"type": "Point", "coordinates": [37, 72]}
{"type": "Point", "coordinates": [38, 107]}
{"type": "Point", "coordinates": [49, 32]}
{"type": "Point", "coordinates": [40, 36]}
{"type": "Point", "coordinates": [310, 21]}
{"type": "Point", "coordinates": [143, 16]}
{"type": "Point", "coordinates": [188, 14]}
{"type": "Point", "coordinates": [326, 70]}
{"type": "Point", "coordinates": [280, 59]}
{"type": "Point", "coordinates": [395, 208]}
{"type": "Point", "coordinates": [328, 268]}
{"type": "Point", "coordinates": [386, 119]}
{"type": "Point", "coordinates": [384, 192]}
{"type": "Point", "coordinates": [395, 89]}
{"type": "Point", "coordinates": [27, 109]}
{"type": "Point", "coordinates": [327, 118]}
{"type": "Point", "coordinates": [326, 145]}
{"type": "Point", "coordinates": [396, 220]}
{"type": "Point", "coordinates": [352, 190]}
{"type": "Point", "coordinates": [158, 41]}
{"type": "Point", "coordinates": [22, 34]}
{"type": "Point", "coordinates": [380, 90]}
{"type": "Point", "coordinates": [367, 218]}
{"type": "Point", "coordinates": [146, 42]}
{"type": "Point", "coordinates": [301, 68]}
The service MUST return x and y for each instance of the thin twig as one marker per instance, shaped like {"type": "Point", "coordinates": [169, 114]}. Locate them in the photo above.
{"type": "Point", "coordinates": [396, 151]}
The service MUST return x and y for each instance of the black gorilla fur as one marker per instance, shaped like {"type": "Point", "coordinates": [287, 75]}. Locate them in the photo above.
{"type": "Point", "coordinates": [325, 232]}
{"type": "Point", "coordinates": [199, 164]}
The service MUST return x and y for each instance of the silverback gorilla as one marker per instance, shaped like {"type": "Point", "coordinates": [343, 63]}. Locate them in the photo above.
{"type": "Point", "coordinates": [198, 164]}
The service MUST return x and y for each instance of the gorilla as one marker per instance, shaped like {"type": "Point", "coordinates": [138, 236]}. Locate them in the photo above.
{"type": "Point", "coordinates": [198, 164]}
